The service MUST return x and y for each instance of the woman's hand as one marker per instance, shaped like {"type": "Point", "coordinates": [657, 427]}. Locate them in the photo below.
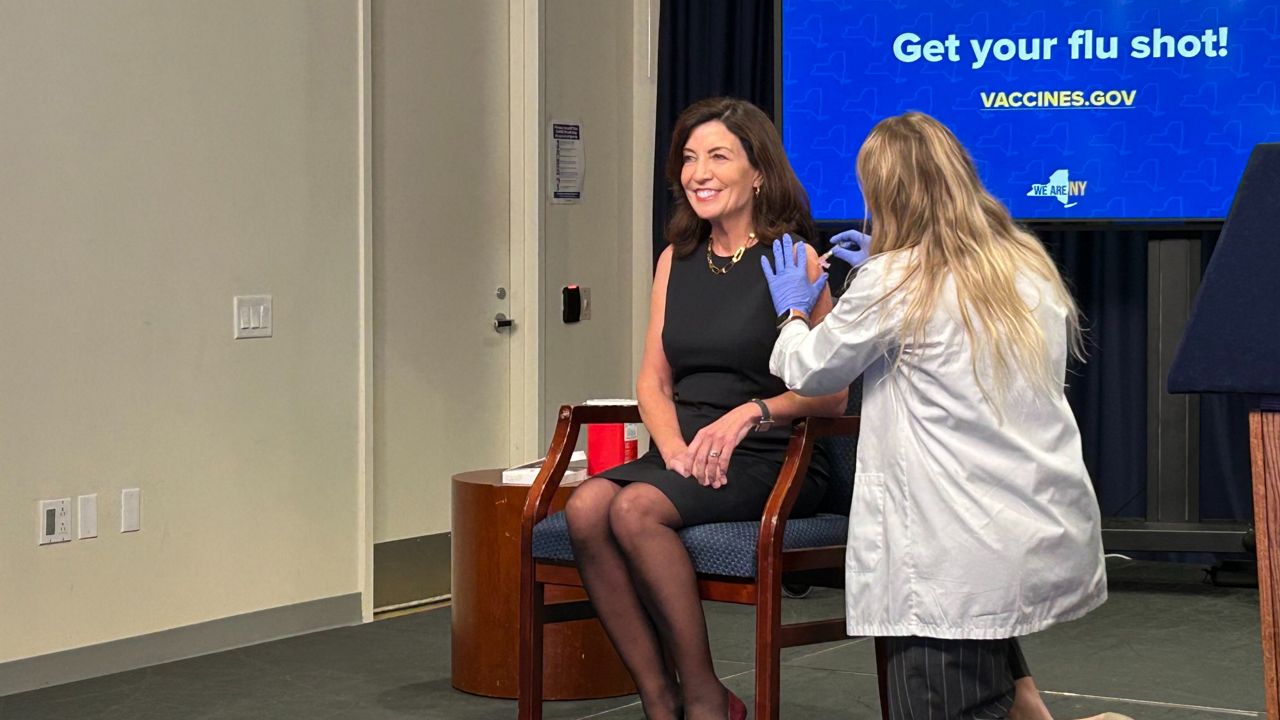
{"type": "Point", "coordinates": [679, 460]}
{"type": "Point", "coordinates": [852, 247]}
{"type": "Point", "coordinates": [788, 277]}
{"type": "Point", "coordinates": [714, 444]}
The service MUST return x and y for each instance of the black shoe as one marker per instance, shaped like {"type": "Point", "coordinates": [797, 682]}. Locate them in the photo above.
{"type": "Point", "coordinates": [795, 591]}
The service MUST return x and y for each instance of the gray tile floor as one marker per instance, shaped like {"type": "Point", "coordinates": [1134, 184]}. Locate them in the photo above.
{"type": "Point", "coordinates": [1164, 646]}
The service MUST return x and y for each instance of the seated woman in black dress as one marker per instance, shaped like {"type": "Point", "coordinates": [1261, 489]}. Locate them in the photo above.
{"type": "Point", "coordinates": [706, 396]}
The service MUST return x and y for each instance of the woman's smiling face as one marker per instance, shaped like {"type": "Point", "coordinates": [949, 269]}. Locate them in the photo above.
{"type": "Point", "coordinates": [718, 179]}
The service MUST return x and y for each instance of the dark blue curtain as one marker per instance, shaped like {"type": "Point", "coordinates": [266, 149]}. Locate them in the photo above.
{"type": "Point", "coordinates": [726, 47]}
{"type": "Point", "coordinates": [707, 48]}
{"type": "Point", "coordinates": [1107, 273]}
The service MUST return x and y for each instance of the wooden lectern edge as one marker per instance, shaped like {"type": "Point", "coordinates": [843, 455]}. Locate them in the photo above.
{"type": "Point", "coordinates": [1264, 457]}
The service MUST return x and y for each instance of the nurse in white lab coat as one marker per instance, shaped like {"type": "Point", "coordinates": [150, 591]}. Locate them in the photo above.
{"type": "Point", "coordinates": [973, 520]}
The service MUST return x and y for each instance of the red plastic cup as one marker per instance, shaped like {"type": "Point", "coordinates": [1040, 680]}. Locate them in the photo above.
{"type": "Point", "coordinates": [610, 445]}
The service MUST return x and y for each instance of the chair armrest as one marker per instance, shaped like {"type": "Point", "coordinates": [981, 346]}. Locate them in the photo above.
{"type": "Point", "coordinates": [569, 421]}
{"type": "Point", "coordinates": [834, 426]}
{"type": "Point", "coordinates": [805, 433]}
{"type": "Point", "coordinates": [595, 414]}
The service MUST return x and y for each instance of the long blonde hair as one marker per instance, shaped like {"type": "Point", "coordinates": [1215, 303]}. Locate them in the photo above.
{"type": "Point", "coordinates": [923, 194]}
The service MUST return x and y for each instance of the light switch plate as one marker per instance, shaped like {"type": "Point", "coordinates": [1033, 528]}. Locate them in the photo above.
{"type": "Point", "coordinates": [87, 517]}
{"type": "Point", "coordinates": [252, 316]}
{"type": "Point", "coordinates": [586, 302]}
{"type": "Point", "coordinates": [130, 510]}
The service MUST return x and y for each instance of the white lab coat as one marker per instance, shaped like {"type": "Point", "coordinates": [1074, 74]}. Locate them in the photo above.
{"type": "Point", "coordinates": [963, 525]}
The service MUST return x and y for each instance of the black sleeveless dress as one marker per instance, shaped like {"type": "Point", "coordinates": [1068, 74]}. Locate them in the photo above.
{"type": "Point", "coordinates": [718, 334]}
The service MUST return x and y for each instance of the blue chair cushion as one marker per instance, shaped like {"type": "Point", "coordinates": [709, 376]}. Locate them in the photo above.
{"type": "Point", "coordinates": [727, 548]}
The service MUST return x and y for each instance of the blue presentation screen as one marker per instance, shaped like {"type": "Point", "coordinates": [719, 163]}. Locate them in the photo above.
{"type": "Point", "coordinates": [1145, 109]}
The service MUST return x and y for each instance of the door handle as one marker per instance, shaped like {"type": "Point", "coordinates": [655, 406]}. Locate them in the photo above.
{"type": "Point", "coordinates": [502, 322]}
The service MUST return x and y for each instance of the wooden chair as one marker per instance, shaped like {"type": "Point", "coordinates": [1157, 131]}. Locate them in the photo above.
{"type": "Point", "coordinates": [730, 569]}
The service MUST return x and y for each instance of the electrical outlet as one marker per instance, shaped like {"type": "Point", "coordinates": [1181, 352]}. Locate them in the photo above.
{"type": "Point", "coordinates": [55, 521]}
{"type": "Point", "coordinates": [130, 510]}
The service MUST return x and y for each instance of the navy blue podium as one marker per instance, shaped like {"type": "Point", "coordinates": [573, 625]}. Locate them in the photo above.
{"type": "Point", "coordinates": [1232, 345]}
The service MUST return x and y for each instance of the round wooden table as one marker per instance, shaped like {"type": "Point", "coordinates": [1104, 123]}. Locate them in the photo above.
{"type": "Point", "coordinates": [578, 661]}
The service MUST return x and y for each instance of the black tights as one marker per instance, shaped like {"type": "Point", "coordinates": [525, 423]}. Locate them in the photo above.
{"type": "Point", "coordinates": [644, 589]}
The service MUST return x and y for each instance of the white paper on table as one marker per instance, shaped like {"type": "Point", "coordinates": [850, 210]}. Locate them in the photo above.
{"type": "Point", "coordinates": [525, 474]}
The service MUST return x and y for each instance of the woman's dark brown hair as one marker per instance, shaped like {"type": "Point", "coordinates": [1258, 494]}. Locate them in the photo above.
{"type": "Point", "coordinates": [782, 205]}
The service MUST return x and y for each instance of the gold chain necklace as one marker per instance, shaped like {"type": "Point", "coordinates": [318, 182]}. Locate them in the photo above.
{"type": "Point", "coordinates": [716, 269]}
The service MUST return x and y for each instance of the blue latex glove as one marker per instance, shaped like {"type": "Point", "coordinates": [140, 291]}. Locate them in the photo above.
{"type": "Point", "coordinates": [852, 247]}
{"type": "Point", "coordinates": [788, 278]}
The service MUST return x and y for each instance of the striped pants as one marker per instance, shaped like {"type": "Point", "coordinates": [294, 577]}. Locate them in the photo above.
{"type": "Point", "coordinates": [934, 679]}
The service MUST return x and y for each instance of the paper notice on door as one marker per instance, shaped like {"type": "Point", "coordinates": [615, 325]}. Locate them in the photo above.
{"type": "Point", "coordinates": [567, 162]}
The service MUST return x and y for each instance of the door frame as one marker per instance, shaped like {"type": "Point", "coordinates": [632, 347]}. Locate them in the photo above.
{"type": "Point", "coordinates": [525, 19]}
{"type": "Point", "coordinates": [364, 384]}
{"type": "Point", "coordinates": [525, 277]}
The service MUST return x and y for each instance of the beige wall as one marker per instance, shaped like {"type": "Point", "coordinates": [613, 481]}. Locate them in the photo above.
{"type": "Point", "coordinates": [158, 157]}
{"type": "Point", "coordinates": [593, 54]}
{"type": "Point", "coordinates": [644, 110]}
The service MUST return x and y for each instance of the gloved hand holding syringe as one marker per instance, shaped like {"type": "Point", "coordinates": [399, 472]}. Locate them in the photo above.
{"type": "Point", "coordinates": [851, 246]}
